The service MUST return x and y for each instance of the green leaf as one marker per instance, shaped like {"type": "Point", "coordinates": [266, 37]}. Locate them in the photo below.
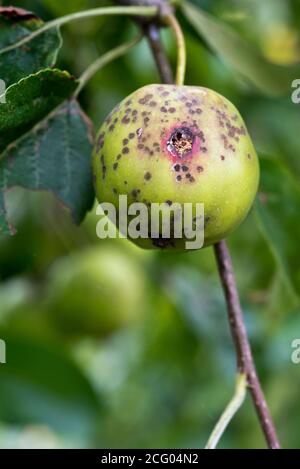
{"type": "Point", "coordinates": [41, 52]}
{"type": "Point", "coordinates": [30, 100]}
{"type": "Point", "coordinates": [277, 208]}
{"type": "Point", "coordinates": [54, 156]}
{"type": "Point", "coordinates": [40, 384]}
{"type": "Point", "coordinates": [239, 54]}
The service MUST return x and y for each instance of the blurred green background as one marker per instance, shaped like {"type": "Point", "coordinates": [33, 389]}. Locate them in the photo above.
{"type": "Point", "coordinates": [112, 346]}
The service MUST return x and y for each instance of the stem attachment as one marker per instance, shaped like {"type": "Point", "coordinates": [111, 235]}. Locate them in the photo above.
{"type": "Point", "coordinates": [230, 411]}
{"type": "Point", "coordinates": [171, 21]}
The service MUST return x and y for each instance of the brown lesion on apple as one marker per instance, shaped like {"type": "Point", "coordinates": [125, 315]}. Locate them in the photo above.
{"type": "Point", "coordinates": [180, 142]}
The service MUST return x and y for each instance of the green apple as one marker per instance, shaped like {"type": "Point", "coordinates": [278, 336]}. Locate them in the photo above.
{"type": "Point", "coordinates": [170, 144]}
{"type": "Point", "coordinates": [95, 292]}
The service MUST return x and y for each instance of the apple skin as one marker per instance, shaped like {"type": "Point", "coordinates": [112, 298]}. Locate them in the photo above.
{"type": "Point", "coordinates": [95, 292]}
{"type": "Point", "coordinates": [184, 144]}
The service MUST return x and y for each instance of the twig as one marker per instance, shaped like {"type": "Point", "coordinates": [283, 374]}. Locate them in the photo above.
{"type": "Point", "coordinates": [230, 411]}
{"type": "Point", "coordinates": [144, 11]}
{"type": "Point", "coordinates": [152, 33]}
{"type": "Point", "coordinates": [104, 60]}
{"type": "Point", "coordinates": [245, 362]}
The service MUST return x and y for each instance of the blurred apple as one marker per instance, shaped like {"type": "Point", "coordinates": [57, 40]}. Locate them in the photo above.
{"type": "Point", "coordinates": [95, 292]}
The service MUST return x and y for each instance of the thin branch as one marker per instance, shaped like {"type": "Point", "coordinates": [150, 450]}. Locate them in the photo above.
{"type": "Point", "coordinates": [245, 362]}
{"type": "Point", "coordinates": [230, 411]}
{"type": "Point", "coordinates": [104, 60]}
{"type": "Point", "coordinates": [151, 30]}
{"type": "Point", "coordinates": [145, 11]}
{"type": "Point", "coordinates": [171, 21]}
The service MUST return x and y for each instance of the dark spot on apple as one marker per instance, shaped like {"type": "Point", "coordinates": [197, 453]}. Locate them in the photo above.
{"type": "Point", "coordinates": [135, 193]}
{"type": "Point", "coordinates": [162, 243]}
{"type": "Point", "coordinates": [103, 166]}
{"type": "Point", "coordinates": [125, 120]}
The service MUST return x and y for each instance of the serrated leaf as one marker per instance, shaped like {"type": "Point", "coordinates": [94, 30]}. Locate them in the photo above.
{"type": "Point", "coordinates": [277, 208]}
{"type": "Point", "coordinates": [54, 156]}
{"type": "Point", "coordinates": [39, 384]}
{"type": "Point", "coordinates": [30, 100]}
{"type": "Point", "coordinates": [239, 54]}
{"type": "Point", "coordinates": [41, 52]}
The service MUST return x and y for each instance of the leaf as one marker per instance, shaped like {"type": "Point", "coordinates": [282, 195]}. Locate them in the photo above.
{"type": "Point", "coordinates": [55, 156]}
{"type": "Point", "coordinates": [277, 208]}
{"type": "Point", "coordinates": [30, 100]}
{"type": "Point", "coordinates": [46, 152]}
{"type": "Point", "coordinates": [40, 384]}
{"type": "Point", "coordinates": [41, 52]}
{"type": "Point", "coordinates": [239, 54]}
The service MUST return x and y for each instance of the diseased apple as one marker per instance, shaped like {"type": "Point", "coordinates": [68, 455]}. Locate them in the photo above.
{"type": "Point", "coordinates": [166, 144]}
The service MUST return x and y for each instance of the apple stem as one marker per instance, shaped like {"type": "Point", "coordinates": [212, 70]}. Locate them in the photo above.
{"type": "Point", "coordinates": [245, 361]}
{"type": "Point", "coordinates": [172, 22]}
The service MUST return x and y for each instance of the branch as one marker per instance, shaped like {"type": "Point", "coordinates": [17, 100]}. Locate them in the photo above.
{"type": "Point", "coordinates": [142, 11]}
{"type": "Point", "coordinates": [105, 59]}
{"type": "Point", "coordinates": [152, 33]}
{"type": "Point", "coordinates": [245, 362]}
